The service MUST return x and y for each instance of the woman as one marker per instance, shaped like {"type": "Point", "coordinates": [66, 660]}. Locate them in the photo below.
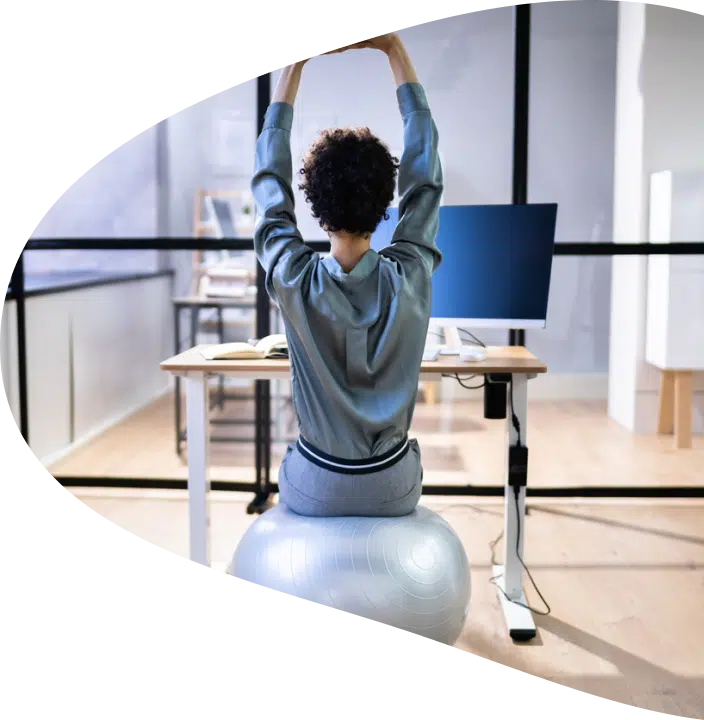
{"type": "Point", "coordinates": [357, 320]}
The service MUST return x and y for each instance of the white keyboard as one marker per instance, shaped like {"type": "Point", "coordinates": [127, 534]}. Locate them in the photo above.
{"type": "Point", "coordinates": [430, 354]}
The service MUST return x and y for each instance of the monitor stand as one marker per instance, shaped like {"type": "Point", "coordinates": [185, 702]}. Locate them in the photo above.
{"type": "Point", "coordinates": [452, 340]}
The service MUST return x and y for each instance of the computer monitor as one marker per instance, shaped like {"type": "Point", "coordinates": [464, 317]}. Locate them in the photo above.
{"type": "Point", "coordinates": [220, 215]}
{"type": "Point", "coordinates": [497, 261]}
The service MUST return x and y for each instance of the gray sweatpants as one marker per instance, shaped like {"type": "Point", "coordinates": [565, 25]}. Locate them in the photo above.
{"type": "Point", "coordinates": [310, 490]}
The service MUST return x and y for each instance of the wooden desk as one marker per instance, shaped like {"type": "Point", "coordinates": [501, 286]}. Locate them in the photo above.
{"type": "Point", "coordinates": [514, 362]}
{"type": "Point", "coordinates": [510, 360]}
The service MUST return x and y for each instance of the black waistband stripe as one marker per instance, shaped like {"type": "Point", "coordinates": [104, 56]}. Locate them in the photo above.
{"type": "Point", "coordinates": [353, 467]}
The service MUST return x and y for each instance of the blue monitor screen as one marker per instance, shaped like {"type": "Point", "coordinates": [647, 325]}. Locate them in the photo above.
{"type": "Point", "coordinates": [496, 266]}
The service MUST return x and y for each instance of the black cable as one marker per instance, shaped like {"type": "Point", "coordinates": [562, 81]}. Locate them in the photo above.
{"type": "Point", "coordinates": [462, 380]}
{"type": "Point", "coordinates": [516, 492]}
{"type": "Point", "coordinates": [492, 545]}
{"type": "Point", "coordinates": [473, 337]}
{"type": "Point", "coordinates": [514, 417]}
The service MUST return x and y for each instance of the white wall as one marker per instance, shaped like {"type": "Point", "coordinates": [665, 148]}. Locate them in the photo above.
{"type": "Point", "coordinates": [675, 302]}
{"type": "Point", "coordinates": [8, 356]}
{"type": "Point", "coordinates": [571, 145]}
{"type": "Point", "coordinates": [628, 273]}
{"type": "Point", "coordinates": [660, 116]}
{"type": "Point", "coordinates": [120, 335]}
{"type": "Point", "coordinates": [93, 357]}
{"type": "Point", "coordinates": [673, 79]}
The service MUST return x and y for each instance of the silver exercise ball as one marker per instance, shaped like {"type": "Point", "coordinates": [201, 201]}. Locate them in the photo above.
{"type": "Point", "coordinates": [410, 572]}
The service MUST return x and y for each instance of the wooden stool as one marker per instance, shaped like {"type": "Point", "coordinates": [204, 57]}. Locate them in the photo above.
{"type": "Point", "coordinates": [430, 392]}
{"type": "Point", "coordinates": [675, 406]}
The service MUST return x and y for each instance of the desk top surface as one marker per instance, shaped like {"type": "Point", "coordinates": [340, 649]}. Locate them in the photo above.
{"type": "Point", "coordinates": [498, 360]}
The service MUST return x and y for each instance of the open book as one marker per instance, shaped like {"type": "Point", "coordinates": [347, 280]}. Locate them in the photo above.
{"type": "Point", "coordinates": [273, 347]}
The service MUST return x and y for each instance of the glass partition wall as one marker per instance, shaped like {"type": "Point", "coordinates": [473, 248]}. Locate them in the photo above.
{"type": "Point", "coordinates": [117, 282]}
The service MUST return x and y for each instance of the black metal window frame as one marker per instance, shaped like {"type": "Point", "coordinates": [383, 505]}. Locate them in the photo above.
{"type": "Point", "coordinates": [263, 487]}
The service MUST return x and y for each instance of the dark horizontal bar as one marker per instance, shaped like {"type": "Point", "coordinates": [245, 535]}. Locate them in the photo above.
{"type": "Point", "coordinates": [241, 440]}
{"type": "Point", "coordinates": [152, 484]}
{"type": "Point", "coordinates": [596, 492]}
{"type": "Point", "coordinates": [204, 303]}
{"type": "Point", "coordinates": [89, 282]}
{"type": "Point", "coordinates": [236, 397]}
{"type": "Point", "coordinates": [141, 244]}
{"type": "Point", "coordinates": [244, 244]}
{"type": "Point", "coordinates": [611, 249]}
{"type": "Point", "coordinates": [235, 421]}
{"type": "Point", "coordinates": [241, 244]}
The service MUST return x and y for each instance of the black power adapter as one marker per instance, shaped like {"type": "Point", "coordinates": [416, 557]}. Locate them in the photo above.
{"type": "Point", "coordinates": [495, 396]}
{"type": "Point", "coordinates": [517, 466]}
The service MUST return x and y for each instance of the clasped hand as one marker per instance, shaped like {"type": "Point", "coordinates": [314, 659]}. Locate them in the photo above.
{"type": "Point", "coordinates": [382, 42]}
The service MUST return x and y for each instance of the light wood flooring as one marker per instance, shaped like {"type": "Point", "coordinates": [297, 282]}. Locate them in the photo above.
{"type": "Point", "coordinates": [625, 581]}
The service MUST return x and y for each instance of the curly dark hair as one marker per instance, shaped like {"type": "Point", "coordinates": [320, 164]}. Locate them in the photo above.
{"type": "Point", "coordinates": [349, 177]}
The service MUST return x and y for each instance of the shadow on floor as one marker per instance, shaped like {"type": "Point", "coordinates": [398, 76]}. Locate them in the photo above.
{"type": "Point", "coordinates": [665, 534]}
{"type": "Point", "coordinates": [639, 683]}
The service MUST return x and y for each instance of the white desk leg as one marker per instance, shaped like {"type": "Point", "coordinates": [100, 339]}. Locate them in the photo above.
{"type": "Point", "coordinates": [277, 390]}
{"type": "Point", "coordinates": [197, 446]}
{"type": "Point", "coordinates": [519, 620]}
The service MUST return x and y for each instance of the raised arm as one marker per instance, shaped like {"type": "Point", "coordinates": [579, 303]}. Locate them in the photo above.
{"type": "Point", "coordinates": [420, 175]}
{"type": "Point", "coordinates": [277, 241]}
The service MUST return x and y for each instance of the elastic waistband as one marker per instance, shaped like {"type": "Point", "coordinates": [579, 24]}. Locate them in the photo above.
{"type": "Point", "coordinates": [353, 467]}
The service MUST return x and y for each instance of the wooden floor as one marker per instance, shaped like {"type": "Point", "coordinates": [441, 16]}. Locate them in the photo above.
{"type": "Point", "coordinates": [571, 444]}
{"type": "Point", "coordinates": [625, 581]}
